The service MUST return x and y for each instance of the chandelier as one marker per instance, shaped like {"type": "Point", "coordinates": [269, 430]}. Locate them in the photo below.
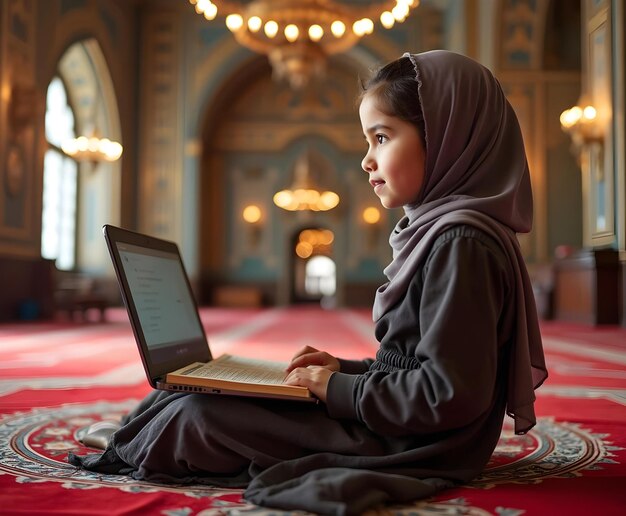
{"type": "Point", "coordinates": [298, 35]}
{"type": "Point", "coordinates": [304, 194]}
{"type": "Point", "coordinates": [92, 148]}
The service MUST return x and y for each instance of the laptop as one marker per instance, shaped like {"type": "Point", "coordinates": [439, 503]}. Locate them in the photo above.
{"type": "Point", "coordinates": [168, 331]}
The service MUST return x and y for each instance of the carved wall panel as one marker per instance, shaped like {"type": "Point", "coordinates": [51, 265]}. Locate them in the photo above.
{"type": "Point", "coordinates": [21, 114]}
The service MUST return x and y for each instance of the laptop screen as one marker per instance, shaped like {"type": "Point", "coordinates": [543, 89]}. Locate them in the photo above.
{"type": "Point", "coordinates": [160, 304]}
{"type": "Point", "coordinates": [164, 306]}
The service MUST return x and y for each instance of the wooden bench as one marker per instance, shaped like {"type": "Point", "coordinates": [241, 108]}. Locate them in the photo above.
{"type": "Point", "coordinates": [77, 294]}
{"type": "Point", "coordinates": [235, 296]}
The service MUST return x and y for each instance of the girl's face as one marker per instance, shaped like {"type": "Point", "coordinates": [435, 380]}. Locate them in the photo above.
{"type": "Point", "coordinates": [395, 158]}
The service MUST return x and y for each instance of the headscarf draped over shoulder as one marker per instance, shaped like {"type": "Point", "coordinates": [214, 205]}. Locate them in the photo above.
{"type": "Point", "coordinates": [476, 173]}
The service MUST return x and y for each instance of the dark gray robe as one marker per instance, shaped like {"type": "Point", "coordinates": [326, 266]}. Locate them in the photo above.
{"type": "Point", "coordinates": [424, 415]}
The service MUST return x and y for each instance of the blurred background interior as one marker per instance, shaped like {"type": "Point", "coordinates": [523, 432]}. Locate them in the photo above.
{"type": "Point", "coordinates": [231, 128]}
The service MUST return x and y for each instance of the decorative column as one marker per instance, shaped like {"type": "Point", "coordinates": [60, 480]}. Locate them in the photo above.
{"type": "Point", "coordinates": [161, 140]}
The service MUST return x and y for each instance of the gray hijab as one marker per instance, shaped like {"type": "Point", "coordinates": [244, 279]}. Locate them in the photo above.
{"type": "Point", "coordinates": [476, 173]}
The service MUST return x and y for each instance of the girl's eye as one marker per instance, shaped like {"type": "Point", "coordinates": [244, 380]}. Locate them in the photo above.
{"type": "Point", "coordinates": [381, 138]}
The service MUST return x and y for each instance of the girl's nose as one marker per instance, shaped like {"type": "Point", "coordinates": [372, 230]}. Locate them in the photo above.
{"type": "Point", "coordinates": [368, 164]}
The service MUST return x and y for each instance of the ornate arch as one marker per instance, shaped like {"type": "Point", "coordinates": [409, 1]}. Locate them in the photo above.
{"type": "Point", "coordinates": [253, 129]}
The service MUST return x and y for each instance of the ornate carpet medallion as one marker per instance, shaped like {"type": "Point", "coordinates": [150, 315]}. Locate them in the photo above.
{"type": "Point", "coordinates": [551, 449]}
{"type": "Point", "coordinates": [34, 447]}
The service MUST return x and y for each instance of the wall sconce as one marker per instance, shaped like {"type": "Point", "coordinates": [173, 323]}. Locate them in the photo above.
{"type": "Point", "coordinates": [582, 124]}
{"type": "Point", "coordinates": [253, 216]}
{"type": "Point", "coordinates": [371, 217]}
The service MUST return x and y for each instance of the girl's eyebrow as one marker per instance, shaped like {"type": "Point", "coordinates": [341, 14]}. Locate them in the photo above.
{"type": "Point", "coordinates": [377, 127]}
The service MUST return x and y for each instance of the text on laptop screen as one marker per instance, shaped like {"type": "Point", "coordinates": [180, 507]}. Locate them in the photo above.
{"type": "Point", "coordinates": [164, 305]}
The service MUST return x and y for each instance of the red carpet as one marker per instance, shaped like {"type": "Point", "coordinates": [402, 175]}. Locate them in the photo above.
{"type": "Point", "coordinates": [56, 378]}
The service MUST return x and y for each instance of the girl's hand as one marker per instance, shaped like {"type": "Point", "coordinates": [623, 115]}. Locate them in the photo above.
{"type": "Point", "coordinates": [309, 356]}
{"type": "Point", "coordinates": [312, 369]}
{"type": "Point", "coordinates": [314, 378]}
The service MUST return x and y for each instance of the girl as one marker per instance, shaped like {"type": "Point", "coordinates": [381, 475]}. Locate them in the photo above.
{"type": "Point", "coordinates": [456, 322]}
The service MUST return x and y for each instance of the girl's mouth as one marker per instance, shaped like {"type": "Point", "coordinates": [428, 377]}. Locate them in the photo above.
{"type": "Point", "coordinates": [376, 183]}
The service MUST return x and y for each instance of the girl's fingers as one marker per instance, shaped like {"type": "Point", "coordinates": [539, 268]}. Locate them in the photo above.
{"type": "Point", "coordinates": [315, 379]}
{"type": "Point", "coordinates": [304, 351]}
{"type": "Point", "coordinates": [318, 358]}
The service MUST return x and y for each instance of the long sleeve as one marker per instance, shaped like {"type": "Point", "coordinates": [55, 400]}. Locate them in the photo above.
{"type": "Point", "coordinates": [437, 365]}
{"type": "Point", "coordinates": [354, 366]}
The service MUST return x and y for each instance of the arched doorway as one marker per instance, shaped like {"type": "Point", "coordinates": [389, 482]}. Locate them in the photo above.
{"type": "Point", "coordinates": [313, 271]}
{"type": "Point", "coordinates": [252, 138]}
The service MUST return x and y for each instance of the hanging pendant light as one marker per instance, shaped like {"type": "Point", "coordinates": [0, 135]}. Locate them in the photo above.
{"type": "Point", "coordinates": [92, 148]}
{"type": "Point", "coordinates": [304, 194]}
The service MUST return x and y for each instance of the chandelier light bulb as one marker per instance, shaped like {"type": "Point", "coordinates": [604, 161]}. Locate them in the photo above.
{"type": "Point", "coordinates": [387, 20]}
{"type": "Point", "coordinates": [292, 32]}
{"type": "Point", "coordinates": [304, 249]}
{"type": "Point", "coordinates": [104, 145]}
{"type": "Point", "coordinates": [115, 151]}
{"type": "Point", "coordinates": [575, 114]}
{"type": "Point", "coordinates": [234, 22]}
{"type": "Point", "coordinates": [338, 28]}
{"type": "Point", "coordinates": [312, 197]}
{"type": "Point", "coordinates": [589, 113]}
{"type": "Point", "coordinates": [368, 25]}
{"type": "Point", "coordinates": [282, 198]}
{"type": "Point", "coordinates": [570, 117]}
{"type": "Point", "coordinates": [70, 147]}
{"type": "Point", "coordinates": [328, 200]}
{"type": "Point", "coordinates": [82, 143]}
{"type": "Point", "coordinates": [93, 144]}
{"type": "Point", "coordinates": [255, 23]}
{"type": "Point", "coordinates": [201, 6]}
{"type": "Point", "coordinates": [358, 29]}
{"type": "Point", "coordinates": [316, 32]}
{"type": "Point", "coordinates": [210, 12]}
{"type": "Point", "coordinates": [327, 237]}
{"type": "Point", "coordinates": [271, 29]}
{"type": "Point", "coordinates": [400, 12]}
{"type": "Point", "coordinates": [206, 7]}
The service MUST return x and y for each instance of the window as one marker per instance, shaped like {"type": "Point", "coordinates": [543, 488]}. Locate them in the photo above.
{"type": "Point", "coordinates": [58, 224]}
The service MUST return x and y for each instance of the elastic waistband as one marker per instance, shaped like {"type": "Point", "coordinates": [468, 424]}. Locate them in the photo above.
{"type": "Point", "coordinates": [389, 361]}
